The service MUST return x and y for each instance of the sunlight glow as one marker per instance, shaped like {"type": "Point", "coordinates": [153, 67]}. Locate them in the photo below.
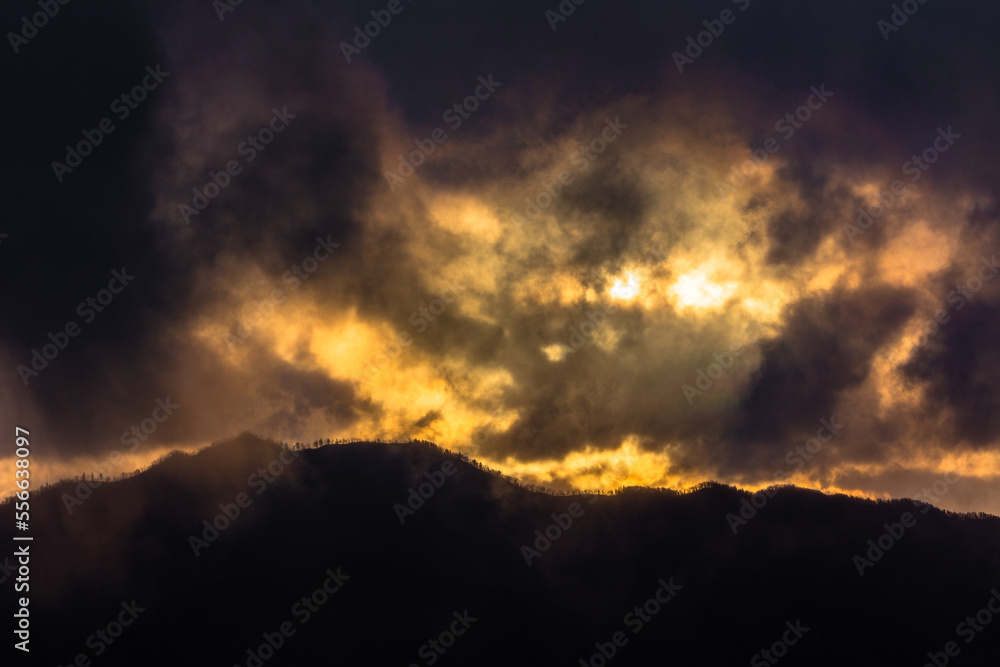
{"type": "Point", "coordinates": [627, 289]}
{"type": "Point", "coordinates": [696, 290]}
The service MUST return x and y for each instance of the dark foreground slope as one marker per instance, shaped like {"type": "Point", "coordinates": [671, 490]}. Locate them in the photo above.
{"type": "Point", "coordinates": [459, 556]}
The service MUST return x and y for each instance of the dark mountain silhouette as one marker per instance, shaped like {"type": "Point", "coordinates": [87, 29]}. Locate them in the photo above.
{"type": "Point", "coordinates": [331, 516]}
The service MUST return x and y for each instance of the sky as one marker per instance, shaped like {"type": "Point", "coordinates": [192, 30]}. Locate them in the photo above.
{"type": "Point", "coordinates": [591, 245]}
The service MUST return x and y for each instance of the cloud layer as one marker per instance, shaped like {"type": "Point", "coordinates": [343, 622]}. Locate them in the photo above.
{"type": "Point", "coordinates": [548, 248]}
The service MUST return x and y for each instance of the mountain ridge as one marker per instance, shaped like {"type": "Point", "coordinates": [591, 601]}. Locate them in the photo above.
{"type": "Point", "coordinates": [551, 579]}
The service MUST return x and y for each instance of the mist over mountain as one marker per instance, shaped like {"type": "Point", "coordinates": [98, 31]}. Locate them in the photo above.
{"type": "Point", "coordinates": [248, 553]}
{"type": "Point", "coordinates": [539, 269]}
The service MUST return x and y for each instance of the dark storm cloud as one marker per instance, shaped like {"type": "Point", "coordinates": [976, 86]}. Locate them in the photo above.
{"type": "Point", "coordinates": [595, 395]}
{"type": "Point", "coordinates": [958, 369]}
{"type": "Point", "coordinates": [605, 49]}
{"type": "Point", "coordinates": [305, 393]}
{"type": "Point", "coordinates": [764, 63]}
{"type": "Point", "coordinates": [321, 174]}
{"type": "Point", "coordinates": [794, 234]}
{"type": "Point", "coordinates": [610, 205]}
{"type": "Point", "coordinates": [427, 420]}
{"type": "Point", "coordinates": [66, 238]}
{"type": "Point", "coordinates": [561, 407]}
{"type": "Point", "coordinates": [825, 348]}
